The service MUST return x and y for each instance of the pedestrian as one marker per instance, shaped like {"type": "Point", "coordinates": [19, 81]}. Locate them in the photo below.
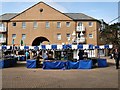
{"type": "Point", "coordinates": [85, 55]}
{"type": "Point", "coordinates": [44, 55]}
{"type": "Point", "coordinates": [27, 54]}
{"type": "Point", "coordinates": [117, 57]}
{"type": "Point", "coordinates": [80, 54]}
{"type": "Point", "coordinates": [50, 55]}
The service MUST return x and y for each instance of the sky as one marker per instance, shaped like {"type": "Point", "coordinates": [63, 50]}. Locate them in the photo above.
{"type": "Point", "coordinates": [99, 10]}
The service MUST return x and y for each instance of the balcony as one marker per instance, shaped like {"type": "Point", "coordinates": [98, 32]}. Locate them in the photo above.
{"type": "Point", "coordinates": [2, 40]}
{"type": "Point", "coordinates": [3, 29]}
{"type": "Point", "coordinates": [80, 28]}
{"type": "Point", "coordinates": [81, 40]}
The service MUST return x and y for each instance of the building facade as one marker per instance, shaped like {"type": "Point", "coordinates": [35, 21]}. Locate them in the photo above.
{"type": "Point", "coordinates": [42, 23]}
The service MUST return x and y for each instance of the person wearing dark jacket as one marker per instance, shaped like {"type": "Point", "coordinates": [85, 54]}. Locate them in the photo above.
{"type": "Point", "coordinates": [80, 54]}
{"type": "Point", "coordinates": [117, 57]}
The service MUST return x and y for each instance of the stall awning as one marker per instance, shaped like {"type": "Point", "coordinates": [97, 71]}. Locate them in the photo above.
{"type": "Point", "coordinates": [65, 46]}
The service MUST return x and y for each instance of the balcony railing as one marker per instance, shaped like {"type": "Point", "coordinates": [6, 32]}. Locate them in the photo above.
{"type": "Point", "coordinates": [81, 40]}
{"type": "Point", "coordinates": [2, 40]}
{"type": "Point", "coordinates": [3, 29]}
{"type": "Point", "coordinates": [80, 28]}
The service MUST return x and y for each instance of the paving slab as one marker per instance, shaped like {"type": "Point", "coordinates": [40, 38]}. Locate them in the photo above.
{"type": "Point", "coordinates": [22, 77]}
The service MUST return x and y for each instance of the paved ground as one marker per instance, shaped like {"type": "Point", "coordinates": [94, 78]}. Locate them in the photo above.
{"type": "Point", "coordinates": [21, 77]}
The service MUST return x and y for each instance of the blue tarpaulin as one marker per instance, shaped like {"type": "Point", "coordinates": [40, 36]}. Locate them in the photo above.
{"type": "Point", "coordinates": [31, 64]}
{"type": "Point", "coordinates": [43, 46]}
{"type": "Point", "coordinates": [80, 46]}
{"type": "Point", "coordinates": [72, 65]}
{"type": "Point", "coordinates": [22, 58]}
{"type": "Point", "coordinates": [102, 62]}
{"type": "Point", "coordinates": [85, 64]}
{"type": "Point", "coordinates": [69, 46]}
{"type": "Point", "coordinates": [8, 63]}
{"type": "Point", "coordinates": [91, 46]}
{"type": "Point", "coordinates": [26, 47]}
{"type": "Point", "coordinates": [106, 46]}
{"type": "Point", "coordinates": [54, 65]}
{"type": "Point", "coordinates": [64, 46]}
{"type": "Point", "coordinates": [4, 47]}
{"type": "Point", "coordinates": [54, 46]}
{"type": "Point", "coordinates": [36, 47]}
{"type": "Point", "coordinates": [1, 64]}
{"type": "Point", "coordinates": [97, 47]}
{"type": "Point", "coordinates": [13, 62]}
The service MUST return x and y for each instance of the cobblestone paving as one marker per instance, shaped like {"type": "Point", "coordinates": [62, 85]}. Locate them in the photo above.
{"type": "Point", "coordinates": [21, 77]}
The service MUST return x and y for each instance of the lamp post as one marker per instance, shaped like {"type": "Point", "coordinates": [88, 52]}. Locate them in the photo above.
{"type": "Point", "coordinates": [13, 41]}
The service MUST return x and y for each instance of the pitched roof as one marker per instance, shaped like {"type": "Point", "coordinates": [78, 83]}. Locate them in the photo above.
{"type": "Point", "coordinates": [74, 16]}
{"type": "Point", "coordinates": [79, 16]}
{"type": "Point", "coordinates": [7, 16]}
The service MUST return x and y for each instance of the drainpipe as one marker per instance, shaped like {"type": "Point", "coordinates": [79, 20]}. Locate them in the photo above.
{"type": "Point", "coordinates": [7, 34]}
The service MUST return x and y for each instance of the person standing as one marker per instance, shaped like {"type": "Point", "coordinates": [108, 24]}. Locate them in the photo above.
{"type": "Point", "coordinates": [117, 57]}
{"type": "Point", "coordinates": [80, 54]}
{"type": "Point", "coordinates": [44, 55]}
{"type": "Point", "coordinates": [27, 54]}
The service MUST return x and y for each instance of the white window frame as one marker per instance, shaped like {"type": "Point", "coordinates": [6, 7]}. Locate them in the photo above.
{"type": "Point", "coordinates": [58, 36]}
{"type": "Point", "coordinates": [35, 25]}
{"type": "Point", "coordinates": [47, 25]}
{"type": "Point", "coordinates": [14, 36]}
{"type": "Point", "coordinates": [68, 24]}
{"type": "Point", "coordinates": [58, 24]}
{"type": "Point", "coordinates": [90, 35]}
{"type": "Point", "coordinates": [89, 24]}
{"type": "Point", "coordinates": [79, 24]}
{"type": "Point", "coordinates": [1, 35]}
{"type": "Point", "coordinates": [2, 25]}
{"type": "Point", "coordinates": [23, 37]}
{"type": "Point", "coordinates": [23, 25]}
{"type": "Point", "coordinates": [68, 34]}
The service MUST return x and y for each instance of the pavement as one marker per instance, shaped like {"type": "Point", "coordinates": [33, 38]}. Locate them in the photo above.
{"type": "Point", "coordinates": [22, 77]}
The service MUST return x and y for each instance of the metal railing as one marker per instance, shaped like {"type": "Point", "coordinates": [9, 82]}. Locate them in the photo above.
{"type": "Point", "coordinates": [80, 28]}
{"type": "Point", "coordinates": [3, 29]}
{"type": "Point", "coordinates": [2, 40]}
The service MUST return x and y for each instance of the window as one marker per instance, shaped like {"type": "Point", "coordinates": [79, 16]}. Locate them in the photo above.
{"type": "Point", "coordinates": [14, 23]}
{"type": "Point", "coordinates": [34, 25]}
{"type": "Point", "coordinates": [68, 36]}
{"type": "Point", "coordinates": [1, 24]}
{"type": "Point", "coordinates": [58, 36]}
{"type": "Point", "coordinates": [90, 35]}
{"type": "Point", "coordinates": [58, 24]}
{"type": "Point", "coordinates": [47, 24]}
{"type": "Point", "coordinates": [90, 24]}
{"type": "Point", "coordinates": [23, 25]}
{"type": "Point", "coordinates": [101, 39]}
{"type": "Point", "coordinates": [13, 36]}
{"type": "Point", "coordinates": [1, 35]}
{"type": "Point", "coordinates": [23, 36]}
{"type": "Point", "coordinates": [68, 24]}
{"type": "Point", "coordinates": [79, 23]}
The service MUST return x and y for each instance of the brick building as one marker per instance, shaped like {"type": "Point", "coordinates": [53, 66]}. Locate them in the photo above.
{"type": "Point", "coordinates": [42, 23]}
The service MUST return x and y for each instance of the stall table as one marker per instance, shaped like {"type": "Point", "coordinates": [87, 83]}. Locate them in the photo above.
{"type": "Point", "coordinates": [54, 64]}
{"type": "Point", "coordinates": [31, 63]}
{"type": "Point", "coordinates": [102, 62]}
{"type": "Point", "coordinates": [85, 64]}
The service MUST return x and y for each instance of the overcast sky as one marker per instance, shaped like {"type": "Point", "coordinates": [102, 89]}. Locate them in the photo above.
{"type": "Point", "coordinates": [99, 10]}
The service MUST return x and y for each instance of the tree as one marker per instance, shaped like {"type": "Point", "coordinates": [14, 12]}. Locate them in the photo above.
{"type": "Point", "coordinates": [111, 34]}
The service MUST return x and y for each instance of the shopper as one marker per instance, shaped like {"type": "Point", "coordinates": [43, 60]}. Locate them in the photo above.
{"type": "Point", "coordinates": [117, 57]}
{"type": "Point", "coordinates": [80, 54]}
